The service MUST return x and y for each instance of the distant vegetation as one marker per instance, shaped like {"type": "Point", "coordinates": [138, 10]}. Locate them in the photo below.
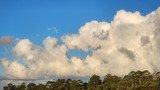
{"type": "Point", "coordinates": [139, 80]}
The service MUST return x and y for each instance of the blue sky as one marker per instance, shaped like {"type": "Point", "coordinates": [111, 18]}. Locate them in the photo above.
{"type": "Point", "coordinates": [32, 18]}
{"type": "Point", "coordinates": [37, 19]}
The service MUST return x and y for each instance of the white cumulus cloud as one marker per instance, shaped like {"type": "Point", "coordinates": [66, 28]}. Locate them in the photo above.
{"type": "Point", "coordinates": [130, 42]}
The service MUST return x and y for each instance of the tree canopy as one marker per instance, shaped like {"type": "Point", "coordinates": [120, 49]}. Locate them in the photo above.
{"type": "Point", "coordinates": [135, 80]}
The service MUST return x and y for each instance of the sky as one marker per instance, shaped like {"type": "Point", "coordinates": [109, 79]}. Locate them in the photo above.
{"type": "Point", "coordinates": [35, 20]}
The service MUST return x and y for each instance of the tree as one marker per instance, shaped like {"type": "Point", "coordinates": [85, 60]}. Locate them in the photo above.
{"type": "Point", "coordinates": [13, 87]}
{"type": "Point", "coordinates": [50, 84]}
{"type": "Point", "coordinates": [31, 86]}
{"type": "Point", "coordinates": [68, 83]}
{"type": "Point", "coordinates": [76, 85]}
{"type": "Point", "coordinates": [22, 86]}
{"type": "Point", "coordinates": [111, 82]}
{"type": "Point", "coordinates": [42, 87]}
{"type": "Point", "coordinates": [5, 88]}
{"type": "Point", "coordinates": [85, 85]}
{"type": "Point", "coordinates": [135, 80]}
{"type": "Point", "coordinates": [60, 84]}
{"type": "Point", "coordinates": [94, 81]}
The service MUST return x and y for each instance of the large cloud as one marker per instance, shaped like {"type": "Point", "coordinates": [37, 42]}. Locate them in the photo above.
{"type": "Point", "coordinates": [130, 42]}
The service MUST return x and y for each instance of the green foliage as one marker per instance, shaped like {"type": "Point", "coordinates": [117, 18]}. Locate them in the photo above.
{"type": "Point", "coordinates": [94, 82]}
{"type": "Point", "coordinates": [111, 82]}
{"type": "Point", "coordinates": [31, 86]}
{"type": "Point", "coordinates": [135, 80]}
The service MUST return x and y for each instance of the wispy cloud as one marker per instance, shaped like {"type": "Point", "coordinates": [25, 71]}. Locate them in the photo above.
{"type": "Point", "coordinates": [53, 29]}
{"type": "Point", "coordinates": [6, 40]}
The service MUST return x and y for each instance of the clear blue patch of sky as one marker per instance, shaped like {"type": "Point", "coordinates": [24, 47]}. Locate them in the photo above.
{"type": "Point", "coordinates": [78, 53]}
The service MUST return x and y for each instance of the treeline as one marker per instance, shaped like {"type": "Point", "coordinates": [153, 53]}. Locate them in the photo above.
{"type": "Point", "coordinates": [139, 80]}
